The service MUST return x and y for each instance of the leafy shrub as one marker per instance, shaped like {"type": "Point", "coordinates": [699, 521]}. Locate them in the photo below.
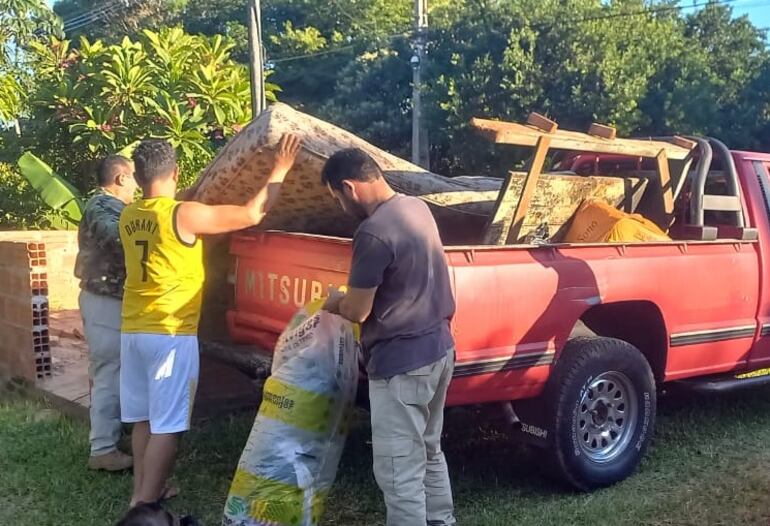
{"type": "Point", "coordinates": [98, 98]}
{"type": "Point", "coordinates": [20, 206]}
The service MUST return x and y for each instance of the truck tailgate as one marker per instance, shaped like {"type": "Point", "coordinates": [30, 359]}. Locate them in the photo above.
{"type": "Point", "coordinates": [276, 274]}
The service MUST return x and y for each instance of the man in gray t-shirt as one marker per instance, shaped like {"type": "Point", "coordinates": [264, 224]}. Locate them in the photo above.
{"type": "Point", "coordinates": [399, 289]}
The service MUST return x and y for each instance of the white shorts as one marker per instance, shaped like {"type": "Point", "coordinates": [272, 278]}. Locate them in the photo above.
{"type": "Point", "coordinates": [158, 378]}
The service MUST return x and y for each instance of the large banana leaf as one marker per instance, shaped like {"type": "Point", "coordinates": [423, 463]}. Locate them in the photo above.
{"type": "Point", "coordinates": [62, 197]}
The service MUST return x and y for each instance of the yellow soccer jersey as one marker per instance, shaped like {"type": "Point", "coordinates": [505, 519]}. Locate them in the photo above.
{"type": "Point", "coordinates": [164, 274]}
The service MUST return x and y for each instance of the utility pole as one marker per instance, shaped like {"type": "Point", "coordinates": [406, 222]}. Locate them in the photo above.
{"type": "Point", "coordinates": [419, 132]}
{"type": "Point", "coordinates": [256, 67]}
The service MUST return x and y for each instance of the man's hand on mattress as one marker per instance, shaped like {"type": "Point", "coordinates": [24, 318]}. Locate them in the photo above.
{"type": "Point", "coordinates": [285, 155]}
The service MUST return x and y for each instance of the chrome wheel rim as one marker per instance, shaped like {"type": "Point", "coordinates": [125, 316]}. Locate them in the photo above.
{"type": "Point", "coordinates": [606, 416]}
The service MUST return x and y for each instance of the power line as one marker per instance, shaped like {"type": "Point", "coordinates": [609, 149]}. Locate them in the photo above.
{"type": "Point", "coordinates": [331, 51]}
{"type": "Point", "coordinates": [310, 55]}
{"type": "Point", "coordinates": [96, 16]}
{"type": "Point", "coordinates": [104, 16]}
{"type": "Point", "coordinates": [76, 18]}
{"type": "Point", "coordinates": [651, 11]}
{"type": "Point", "coordinates": [343, 12]}
{"type": "Point", "coordinates": [84, 19]}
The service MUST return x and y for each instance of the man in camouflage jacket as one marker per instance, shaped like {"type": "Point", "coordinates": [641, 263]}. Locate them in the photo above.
{"type": "Point", "coordinates": [101, 269]}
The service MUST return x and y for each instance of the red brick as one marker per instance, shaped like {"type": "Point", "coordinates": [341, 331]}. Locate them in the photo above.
{"type": "Point", "coordinates": [25, 257]}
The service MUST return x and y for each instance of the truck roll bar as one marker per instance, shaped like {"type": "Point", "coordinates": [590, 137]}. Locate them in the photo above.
{"type": "Point", "coordinates": [699, 180]}
{"type": "Point", "coordinates": [719, 203]}
{"type": "Point", "coordinates": [701, 202]}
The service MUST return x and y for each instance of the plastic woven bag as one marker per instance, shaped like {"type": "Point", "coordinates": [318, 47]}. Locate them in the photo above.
{"type": "Point", "coordinates": [290, 459]}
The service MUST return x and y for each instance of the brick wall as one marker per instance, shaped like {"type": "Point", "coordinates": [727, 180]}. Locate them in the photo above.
{"type": "Point", "coordinates": [35, 277]}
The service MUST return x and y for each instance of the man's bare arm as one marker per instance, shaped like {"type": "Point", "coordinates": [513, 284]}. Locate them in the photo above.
{"type": "Point", "coordinates": [355, 306]}
{"type": "Point", "coordinates": [196, 218]}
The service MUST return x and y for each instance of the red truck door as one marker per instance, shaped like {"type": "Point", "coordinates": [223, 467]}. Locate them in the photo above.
{"type": "Point", "coordinates": [756, 171]}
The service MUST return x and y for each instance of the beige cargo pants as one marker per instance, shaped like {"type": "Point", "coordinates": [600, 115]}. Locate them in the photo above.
{"type": "Point", "coordinates": [101, 323]}
{"type": "Point", "coordinates": [407, 417]}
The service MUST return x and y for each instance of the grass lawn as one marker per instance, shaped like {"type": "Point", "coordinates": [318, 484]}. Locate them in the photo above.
{"type": "Point", "coordinates": [708, 466]}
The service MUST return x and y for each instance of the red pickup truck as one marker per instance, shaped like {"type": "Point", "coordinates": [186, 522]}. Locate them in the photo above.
{"type": "Point", "coordinates": [570, 341]}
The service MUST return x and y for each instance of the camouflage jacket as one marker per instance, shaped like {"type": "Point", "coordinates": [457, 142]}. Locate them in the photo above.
{"type": "Point", "coordinates": [100, 265]}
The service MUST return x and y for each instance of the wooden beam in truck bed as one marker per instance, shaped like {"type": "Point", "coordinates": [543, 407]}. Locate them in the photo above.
{"type": "Point", "coordinates": [525, 135]}
{"type": "Point", "coordinates": [508, 220]}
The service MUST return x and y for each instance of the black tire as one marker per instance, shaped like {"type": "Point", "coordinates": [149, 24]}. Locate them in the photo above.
{"type": "Point", "coordinates": [602, 398]}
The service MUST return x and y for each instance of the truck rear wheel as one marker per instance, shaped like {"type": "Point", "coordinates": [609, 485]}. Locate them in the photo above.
{"type": "Point", "coordinates": [603, 402]}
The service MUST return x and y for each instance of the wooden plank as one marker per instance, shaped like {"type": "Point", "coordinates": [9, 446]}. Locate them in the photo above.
{"type": "Point", "coordinates": [684, 143]}
{"type": "Point", "coordinates": [530, 183]}
{"type": "Point", "coordinates": [511, 208]}
{"type": "Point", "coordinates": [523, 135]}
{"type": "Point", "coordinates": [600, 130]}
{"type": "Point", "coordinates": [665, 182]}
{"type": "Point", "coordinates": [500, 222]}
{"type": "Point", "coordinates": [542, 123]}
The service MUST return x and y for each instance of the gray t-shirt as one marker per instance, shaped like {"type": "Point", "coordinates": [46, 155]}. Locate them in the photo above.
{"type": "Point", "coordinates": [398, 250]}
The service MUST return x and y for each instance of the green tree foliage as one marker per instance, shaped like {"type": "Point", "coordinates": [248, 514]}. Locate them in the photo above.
{"type": "Point", "coordinates": [11, 97]}
{"type": "Point", "coordinates": [99, 98]}
{"type": "Point", "coordinates": [334, 32]}
{"type": "Point", "coordinates": [111, 20]}
{"type": "Point", "coordinates": [712, 82]}
{"type": "Point", "coordinates": [593, 65]}
{"type": "Point", "coordinates": [22, 23]}
{"type": "Point", "coordinates": [641, 66]}
{"type": "Point", "coordinates": [20, 206]}
{"type": "Point", "coordinates": [375, 99]}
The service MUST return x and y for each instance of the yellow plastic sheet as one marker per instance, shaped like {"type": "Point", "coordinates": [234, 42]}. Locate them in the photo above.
{"type": "Point", "coordinates": [598, 222]}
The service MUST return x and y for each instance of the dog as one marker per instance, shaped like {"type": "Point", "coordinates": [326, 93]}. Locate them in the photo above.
{"type": "Point", "coordinates": [153, 514]}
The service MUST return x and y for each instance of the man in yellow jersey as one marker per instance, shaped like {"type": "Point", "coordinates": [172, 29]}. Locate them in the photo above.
{"type": "Point", "coordinates": [162, 301]}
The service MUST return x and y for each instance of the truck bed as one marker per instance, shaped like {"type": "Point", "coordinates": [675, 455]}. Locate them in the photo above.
{"type": "Point", "coordinates": [518, 305]}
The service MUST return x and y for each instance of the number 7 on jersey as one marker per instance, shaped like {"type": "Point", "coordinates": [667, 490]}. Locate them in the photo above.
{"type": "Point", "coordinates": [145, 245]}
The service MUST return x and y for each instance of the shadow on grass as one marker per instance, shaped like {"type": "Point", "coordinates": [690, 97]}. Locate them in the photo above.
{"type": "Point", "coordinates": [498, 481]}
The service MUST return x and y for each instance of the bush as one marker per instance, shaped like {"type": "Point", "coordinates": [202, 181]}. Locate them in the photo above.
{"type": "Point", "coordinates": [98, 98]}
{"type": "Point", "coordinates": [20, 206]}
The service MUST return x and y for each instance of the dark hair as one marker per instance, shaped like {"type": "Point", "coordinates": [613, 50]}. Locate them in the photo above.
{"type": "Point", "coordinates": [108, 169]}
{"type": "Point", "coordinates": [349, 164]}
{"type": "Point", "coordinates": [153, 514]}
{"type": "Point", "coordinates": [153, 160]}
